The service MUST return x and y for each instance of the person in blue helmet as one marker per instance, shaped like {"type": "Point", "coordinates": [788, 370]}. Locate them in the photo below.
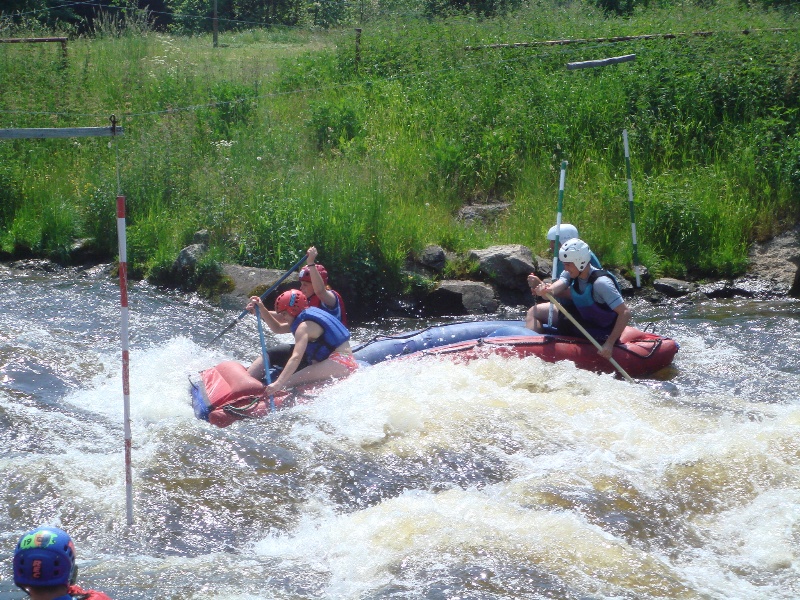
{"type": "Point", "coordinates": [319, 338]}
{"type": "Point", "coordinates": [597, 302]}
{"type": "Point", "coordinates": [45, 567]}
{"type": "Point", "coordinates": [540, 312]}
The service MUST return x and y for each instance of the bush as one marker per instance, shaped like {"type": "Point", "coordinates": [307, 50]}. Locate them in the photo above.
{"type": "Point", "coordinates": [334, 125]}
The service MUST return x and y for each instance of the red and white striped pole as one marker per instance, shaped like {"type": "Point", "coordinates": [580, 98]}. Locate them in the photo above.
{"type": "Point", "coordinates": [126, 390]}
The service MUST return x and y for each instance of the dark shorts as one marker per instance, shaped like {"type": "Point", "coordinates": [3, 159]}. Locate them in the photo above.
{"type": "Point", "coordinates": [278, 356]}
{"type": "Point", "coordinates": [566, 327]}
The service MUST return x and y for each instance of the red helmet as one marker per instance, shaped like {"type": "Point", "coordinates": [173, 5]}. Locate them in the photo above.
{"type": "Point", "coordinates": [294, 302]}
{"type": "Point", "coordinates": [305, 273]}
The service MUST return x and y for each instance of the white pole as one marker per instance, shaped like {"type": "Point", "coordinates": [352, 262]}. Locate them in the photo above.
{"type": "Point", "coordinates": [630, 206]}
{"type": "Point", "coordinates": [123, 288]}
{"type": "Point", "coordinates": [556, 247]}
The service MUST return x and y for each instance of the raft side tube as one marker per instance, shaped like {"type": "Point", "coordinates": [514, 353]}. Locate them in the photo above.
{"type": "Point", "coordinates": [388, 347]}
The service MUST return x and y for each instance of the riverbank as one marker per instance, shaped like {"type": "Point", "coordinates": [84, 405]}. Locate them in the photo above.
{"type": "Point", "coordinates": [498, 284]}
{"type": "Point", "coordinates": [433, 138]}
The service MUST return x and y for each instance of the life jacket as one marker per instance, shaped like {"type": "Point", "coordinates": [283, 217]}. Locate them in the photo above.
{"type": "Point", "coordinates": [592, 311]}
{"type": "Point", "coordinates": [334, 333]}
{"type": "Point", "coordinates": [76, 593]}
{"type": "Point", "coordinates": [337, 311]}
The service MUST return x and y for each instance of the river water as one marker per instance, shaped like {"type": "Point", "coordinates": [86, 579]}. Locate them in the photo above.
{"type": "Point", "coordinates": [502, 478]}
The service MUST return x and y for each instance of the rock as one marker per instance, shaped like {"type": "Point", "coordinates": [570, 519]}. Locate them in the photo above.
{"type": "Point", "coordinates": [674, 288]}
{"type": "Point", "coordinates": [36, 264]}
{"type": "Point", "coordinates": [434, 258]}
{"type": "Point", "coordinates": [544, 267]}
{"type": "Point", "coordinates": [717, 289]}
{"type": "Point", "coordinates": [506, 266]}
{"type": "Point", "coordinates": [186, 263]}
{"type": "Point", "coordinates": [777, 260]}
{"type": "Point", "coordinates": [625, 286]}
{"type": "Point", "coordinates": [453, 297]}
{"type": "Point", "coordinates": [751, 286]}
{"type": "Point", "coordinates": [481, 212]}
{"type": "Point", "coordinates": [202, 237]}
{"type": "Point", "coordinates": [251, 281]}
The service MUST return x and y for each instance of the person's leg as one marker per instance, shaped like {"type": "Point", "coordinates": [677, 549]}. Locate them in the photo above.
{"type": "Point", "coordinates": [538, 315]}
{"type": "Point", "coordinates": [278, 355]}
{"type": "Point", "coordinates": [326, 369]}
{"type": "Point", "coordinates": [565, 325]}
{"type": "Point", "coordinates": [256, 369]}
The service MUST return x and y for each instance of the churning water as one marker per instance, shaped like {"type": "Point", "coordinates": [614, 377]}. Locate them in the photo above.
{"type": "Point", "coordinates": [502, 478]}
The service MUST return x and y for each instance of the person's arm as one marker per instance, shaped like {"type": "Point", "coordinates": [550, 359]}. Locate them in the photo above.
{"type": "Point", "coordinates": [301, 339]}
{"type": "Point", "coordinates": [327, 297]}
{"type": "Point", "coordinates": [623, 317]}
{"type": "Point", "coordinates": [268, 316]}
{"type": "Point", "coordinates": [554, 288]}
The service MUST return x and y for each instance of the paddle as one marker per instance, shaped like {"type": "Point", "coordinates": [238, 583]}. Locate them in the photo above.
{"type": "Point", "coordinates": [580, 327]}
{"type": "Point", "coordinates": [265, 356]}
{"type": "Point", "coordinates": [263, 296]}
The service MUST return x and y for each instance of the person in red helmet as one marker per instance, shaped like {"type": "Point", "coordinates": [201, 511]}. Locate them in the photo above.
{"type": "Point", "coordinates": [314, 285]}
{"type": "Point", "coordinates": [319, 337]}
{"type": "Point", "coordinates": [45, 567]}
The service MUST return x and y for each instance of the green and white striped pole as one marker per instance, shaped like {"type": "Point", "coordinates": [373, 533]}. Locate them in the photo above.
{"type": "Point", "coordinates": [630, 206]}
{"type": "Point", "coordinates": [557, 244]}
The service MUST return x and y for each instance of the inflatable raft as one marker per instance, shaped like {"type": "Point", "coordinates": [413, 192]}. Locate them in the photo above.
{"type": "Point", "coordinates": [227, 393]}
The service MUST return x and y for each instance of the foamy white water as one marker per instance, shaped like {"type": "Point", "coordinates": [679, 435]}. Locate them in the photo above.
{"type": "Point", "coordinates": [502, 478]}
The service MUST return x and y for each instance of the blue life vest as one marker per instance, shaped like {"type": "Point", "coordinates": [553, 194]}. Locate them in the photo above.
{"type": "Point", "coordinates": [595, 313]}
{"type": "Point", "coordinates": [337, 311]}
{"type": "Point", "coordinates": [334, 334]}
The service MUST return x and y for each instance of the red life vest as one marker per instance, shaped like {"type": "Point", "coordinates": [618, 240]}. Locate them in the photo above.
{"type": "Point", "coordinates": [81, 594]}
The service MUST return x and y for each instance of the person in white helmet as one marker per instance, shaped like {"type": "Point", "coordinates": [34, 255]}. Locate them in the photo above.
{"type": "Point", "coordinates": [597, 302]}
{"type": "Point", "coordinates": [540, 312]}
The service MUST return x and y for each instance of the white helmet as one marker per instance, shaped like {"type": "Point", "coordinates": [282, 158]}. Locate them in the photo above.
{"type": "Point", "coordinates": [567, 232]}
{"type": "Point", "coordinates": [576, 252]}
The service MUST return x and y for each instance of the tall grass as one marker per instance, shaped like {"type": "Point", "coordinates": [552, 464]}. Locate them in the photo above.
{"type": "Point", "coordinates": [280, 139]}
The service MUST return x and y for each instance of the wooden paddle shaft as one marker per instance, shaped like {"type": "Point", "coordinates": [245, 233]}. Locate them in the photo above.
{"type": "Point", "coordinates": [589, 337]}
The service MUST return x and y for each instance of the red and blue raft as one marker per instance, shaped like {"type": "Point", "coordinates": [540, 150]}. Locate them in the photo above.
{"type": "Point", "coordinates": [227, 393]}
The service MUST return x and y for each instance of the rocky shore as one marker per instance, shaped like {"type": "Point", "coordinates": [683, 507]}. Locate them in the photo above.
{"type": "Point", "coordinates": [774, 273]}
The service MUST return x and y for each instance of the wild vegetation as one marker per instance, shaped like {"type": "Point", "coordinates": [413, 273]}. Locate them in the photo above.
{"type": "Point", "coordinates": [367, 143]}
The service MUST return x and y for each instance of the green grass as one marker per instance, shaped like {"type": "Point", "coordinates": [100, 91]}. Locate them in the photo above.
{"type": "Point", "coordinates": [278, 140]}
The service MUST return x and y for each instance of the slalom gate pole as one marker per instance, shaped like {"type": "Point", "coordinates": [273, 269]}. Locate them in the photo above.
{"type": "Point", "coordinates": [559, 210]}
{"type": "Point", "coordinates": [630, 206]}
{"type": "Point", "coordinates": [265, 357]}
{"type": "Point", "coordinates": [126, 393]}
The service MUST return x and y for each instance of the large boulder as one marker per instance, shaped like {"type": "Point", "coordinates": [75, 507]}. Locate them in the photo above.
{"type": "Point", "coordinates": [506, 266]}
{"type": "Point", "coordinates": [778, 261]}
{"type": "Point", "coordinates": [434, 258]}
{"type": "Point", "coordinates": [251, 281]}
{"type": "Point", "coordinates": [455, 297]}
{"type": "Point", "coordinates": [674, 288]}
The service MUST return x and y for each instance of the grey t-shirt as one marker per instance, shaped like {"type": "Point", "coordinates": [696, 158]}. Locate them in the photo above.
{"type": "Point", "coordinates": [603, 289]}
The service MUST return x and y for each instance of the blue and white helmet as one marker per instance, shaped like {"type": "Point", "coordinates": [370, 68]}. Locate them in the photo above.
{"type": "Point", "coordinates": [577, 252]}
